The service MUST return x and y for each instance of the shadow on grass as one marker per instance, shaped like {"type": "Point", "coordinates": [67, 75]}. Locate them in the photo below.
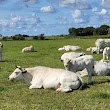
{"type": "Point", "coordinates": [30, 52]}
{"type": "Point", "coordinates": [1, 89]}
{"type": "Point", "coordinates": [8, 60]}
{"type": "Point", "coordinates": [107, 80]}
{"type": "Point", "coordinates": [85, 85]}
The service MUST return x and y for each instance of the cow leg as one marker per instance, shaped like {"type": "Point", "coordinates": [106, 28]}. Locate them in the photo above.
{"type": "Point", "coordinates": [107, 57]}
{"type": "Point", "coordinates": [98, 50]}
{"type": "Point", "coordinates": [0, 56]}
{"type": "Point", "coordinates": [103, 57]}
{"type": "Point", "coordinates": [35, 87]}
{"type": "Point", "coordinates": [64, 89]}
{"type": "Point", "coordinates": [35, 84]}
{"type": "Point", "coordinates": [89, 76]}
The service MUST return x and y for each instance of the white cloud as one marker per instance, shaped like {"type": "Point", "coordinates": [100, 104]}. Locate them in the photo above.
{"type": "Point", "coordinates": [79, 16]}
{"type": "Point", "coordinates": [3, 23]}
{"type": "Point", "coordinates": [76, 14]}
{"type": "Point", "coordinates": [15, 21]}
{"type": "Point", "coordinates": [65, 3]}
{"type": "Point", "coordinates": [78, 4]}
{"type": "Point", "coordinates": [20, 22]}
{"type": "Point", "coordinates": [48, 9]}
{"type": "Point", "coordinates": [95, 9]}
{"type": "Point", "coordinates": [62, 20]}
{"type": "Point", "coordinates": [102, 12]}
{"type": "Point", "coordinates": [79, 20]}
{"type": "Point", "coordinates": [31, 1]}
{"type": "Point", "coordinates": [106, 3]}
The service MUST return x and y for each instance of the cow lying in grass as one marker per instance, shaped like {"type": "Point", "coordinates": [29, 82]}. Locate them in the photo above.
{"type": "Point", "coordinates": [70, 48]}
{"type": "Point", "coordinates": [101, 44]}
{"type": "Point", "coordinates": [47, 78]}
{"type": "Point", "coordinates": [28, 49]}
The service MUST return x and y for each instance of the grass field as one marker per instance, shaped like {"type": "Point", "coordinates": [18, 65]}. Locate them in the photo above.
{"type": "Point", "coordinates": [17, 96]}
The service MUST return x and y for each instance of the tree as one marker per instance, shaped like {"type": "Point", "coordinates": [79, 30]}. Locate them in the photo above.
{"type": "Point", "coordinates": [41, 36]}
{"type": "Point", "coordinates": [81, 32]}
{"type": "Point", "coordinates": [25, 35]}
{"type": "Point", "coordinates": [73, 31]}
{"type": "Point", "coordinates": [18, 37]}
{"type": "Point", "coordinates": [89, 31]}
{"type": "Point", "coordinates": [102, 30]}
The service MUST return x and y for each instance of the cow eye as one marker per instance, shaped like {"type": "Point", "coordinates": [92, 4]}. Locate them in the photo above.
{"type": "Point", "coordinates": [17, 73]}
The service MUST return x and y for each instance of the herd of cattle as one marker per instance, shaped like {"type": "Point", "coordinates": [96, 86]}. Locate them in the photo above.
{"type": "Point", "coordinates": [76, 66]}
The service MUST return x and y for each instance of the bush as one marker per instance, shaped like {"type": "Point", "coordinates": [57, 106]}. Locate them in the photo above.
{"type": "Point", "coordinates": [18, 37]}
{"type": "Point", "coordinates": [35, 37]}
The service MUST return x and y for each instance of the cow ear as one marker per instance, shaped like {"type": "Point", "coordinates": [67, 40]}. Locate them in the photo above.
{"type": "Point", "coordinates": [18, 66]}
{"type": "Point", "coordinates": [70, 60]}
{"type": "Point", "coordinates": [61, 60]}
{"type": "Point", "coordinates": [24, 71]}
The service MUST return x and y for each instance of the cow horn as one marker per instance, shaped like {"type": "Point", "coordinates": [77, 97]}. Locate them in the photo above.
{"type": "Point", "coordinates": [23, 70]}
{"type": "Point", "coordinates": [18, 66]}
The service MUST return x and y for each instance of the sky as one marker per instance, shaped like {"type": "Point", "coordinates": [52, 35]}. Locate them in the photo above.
{"type": "Point", "coordinates": [51, 17]}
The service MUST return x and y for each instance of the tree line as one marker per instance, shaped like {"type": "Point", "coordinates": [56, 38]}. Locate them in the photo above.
{"type": "Point", "coordinates": [22, 37]}
{"type": "Point", "coordinates": [88, 31]}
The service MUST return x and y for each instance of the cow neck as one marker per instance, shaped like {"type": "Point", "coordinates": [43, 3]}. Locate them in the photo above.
{"type": "Point", "coordinates": [25, 79]}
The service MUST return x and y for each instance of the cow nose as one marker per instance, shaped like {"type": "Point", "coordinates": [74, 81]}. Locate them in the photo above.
{"type": "Point", "coordinates": [66, 65]}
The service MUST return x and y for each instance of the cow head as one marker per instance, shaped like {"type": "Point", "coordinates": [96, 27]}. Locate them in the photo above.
{"type": "Point", "coordinates": [17, 74]}
{"type": "Point", "coordinates": [82, 54]}
{"type": "Point", "coordinates": [67, 63]}
{"type": "Point", "coordinates": [1, 45]}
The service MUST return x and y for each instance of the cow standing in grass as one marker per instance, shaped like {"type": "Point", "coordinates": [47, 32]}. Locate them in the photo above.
{"type": "Point", "coordinates": [80, 63]}
{"type": "Point", "coordinates": [106, 53]}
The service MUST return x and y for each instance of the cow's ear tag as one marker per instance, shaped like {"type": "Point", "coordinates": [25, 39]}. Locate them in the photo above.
{"type": "Point", "coordinates": [24, 71]}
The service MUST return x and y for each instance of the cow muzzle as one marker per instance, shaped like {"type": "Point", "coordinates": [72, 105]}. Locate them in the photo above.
{"type": "Point", "coordinates": [11, 79]}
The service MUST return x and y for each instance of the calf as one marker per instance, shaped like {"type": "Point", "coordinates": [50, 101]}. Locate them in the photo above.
{"type": "Point", "coordinates": [106, 53]}
{"type": "Point", "coordinates": [80, 63]}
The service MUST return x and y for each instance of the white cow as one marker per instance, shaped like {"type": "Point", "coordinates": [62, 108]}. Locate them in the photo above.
{"type": "Point", "coordinates": [106, 53]}
{"type": "Point", "coordinates": [80, 63]}
{"type": "Point", "coordinates": [101, 68]}
{"type": "Point", "coordinates": [92, 49]}
{"type": "Point", "coordinates": [71, 48]}
{"type": "Point", "coordinates": [28, 49]}
{"type": "Point", "coordinates": [101, 44]}
{"type": "Point", "coordinates": [82, 73]}
{"type": "Point", "coordinates": [47, 78]}
{"type": "Point", "coordinates": [61, 49]}
{"type": "Point", "coordinates": [71, 55]}
{"type": "Point", "coordinates": [1, 48]}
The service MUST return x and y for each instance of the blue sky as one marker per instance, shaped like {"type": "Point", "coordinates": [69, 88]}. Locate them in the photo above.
{"type": "Point", "coordinates": [51, 17]}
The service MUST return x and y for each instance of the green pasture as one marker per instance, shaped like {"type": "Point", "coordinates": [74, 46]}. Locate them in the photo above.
{"type": "Point", "coordinates": [17, 96]}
